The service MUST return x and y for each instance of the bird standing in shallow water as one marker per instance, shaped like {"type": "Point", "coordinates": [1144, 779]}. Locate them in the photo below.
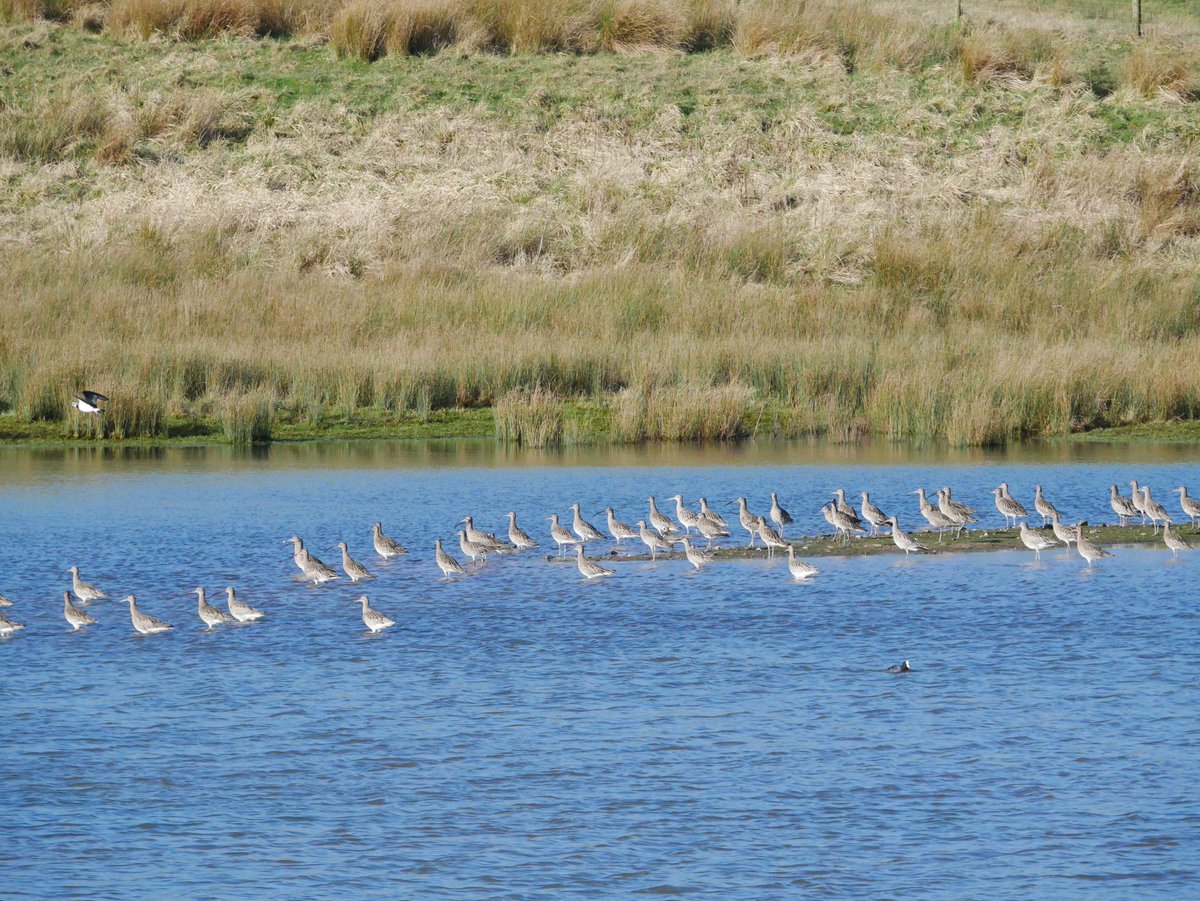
{"type": "Point", "coordinates": [385, 547]}
{"type": "Point", "coordinates": [210, 615]}
{"type": "Point", "coordinates": [145, 624]}
{"type": "Point", "coordinates": [798, 568]}
{"type": "Point", "coordinates": [447, 564]}
{"type": "Point", "coordinates": [73, 615]}
{"type": "Point", "coordinates": [588, 568]}
{"type": "Point", "coordinates": [373, 619]}
{"type": "Point", "coordinates": [8, 627]}
{"type": "Point", "coordinates": [83, 590]}
{"type": "Point", "coordinates": [240, 610]}
{"type": "Point", "coordinates": [1088, 550]}
{"type": "Point", "coordinates": [1035, 541]}
{"type": "Point", "coordinates": [779, 515]}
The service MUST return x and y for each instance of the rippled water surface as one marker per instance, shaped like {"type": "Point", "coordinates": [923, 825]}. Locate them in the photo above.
{"type": "Point", "coordinates": [523, 734]}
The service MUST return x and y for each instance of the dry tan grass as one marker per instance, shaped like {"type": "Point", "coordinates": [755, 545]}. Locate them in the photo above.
{"type": "Point", "coordinates": [1162, 68]}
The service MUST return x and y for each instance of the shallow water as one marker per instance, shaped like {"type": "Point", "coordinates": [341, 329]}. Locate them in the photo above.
{"type": "Point", "coordinates": [523, 734]}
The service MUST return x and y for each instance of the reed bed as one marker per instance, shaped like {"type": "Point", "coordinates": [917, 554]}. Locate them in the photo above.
{"type": "Point", "coordinates": [743, 245]}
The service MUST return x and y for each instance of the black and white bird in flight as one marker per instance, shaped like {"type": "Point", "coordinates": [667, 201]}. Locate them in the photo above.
{"type": "Point", "coordinates": [89, 402]}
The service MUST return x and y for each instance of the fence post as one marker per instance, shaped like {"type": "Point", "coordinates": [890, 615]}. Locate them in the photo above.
{"type": "Point", "coordinates": [959, 15]}
{"type": "Point", "coordinates": [1137, 17]}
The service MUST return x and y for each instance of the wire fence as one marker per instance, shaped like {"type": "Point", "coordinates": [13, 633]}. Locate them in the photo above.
{"type": "Point", "coordinates": [1141, 17]}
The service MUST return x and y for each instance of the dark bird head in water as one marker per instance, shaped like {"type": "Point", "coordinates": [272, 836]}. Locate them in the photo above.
{"type": "Point", "coordinates": [897, 668]}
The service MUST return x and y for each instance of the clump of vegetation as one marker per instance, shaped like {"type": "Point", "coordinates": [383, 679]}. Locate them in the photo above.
{"type": "Point", "coordinates": [533, 418]}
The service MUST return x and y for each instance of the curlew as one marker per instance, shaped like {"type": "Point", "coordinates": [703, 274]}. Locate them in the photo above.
{"type": "Point", "coordinates": [209, 614]}
{"type": "Point", "coordinates": [1036, 541]}
{"type": "Point", "coordinates": [1088, 550]}
{"type": "Point", "coordinates": [1041, 506]}
{"type": "Point", "coordinates": [144, 623]}
{"type": "Point", "coordinates": [83, 590]}
{"type": "Point", "coordinates": [798, 568]}
{"type": "Point", "coordinates": [617, 529]}
{"type": "Point", "coordinates": [1009, 506]}
{"type": "Point", "coordinates": [903, 540]}
{"type": "Point", "coordinates": [779, 516]}
{"type": "Point", "coordinates": [1154, 509]}
{"type": "Point", "coordinates": [1065, 534]}
{"type": "Point", "coordinates": [520, 540]}
{"type": "Point", "coordinates": [240, 610]}
{"type": "Point", "coordinates": [687, 518]}
{"type": "Point", "coordinates": [846, 510]}
{"type": "Point", "coordinates": [872, 514]}
{"type": "Point", "coordinates": [476, 552]}
{"type": "Point", "coordinates": [310, 567]}
{"type": "Point", "coordinates": [589, 569]}
{"type": "Point", "coordinates": [372, 618]}
{"type": "Point", "coordinates": [1136, 500]}
{"type": "Point", "coordinates": [747, 519]}
{"type": "Point", "coordinates": [710, 530]}
{"type": "Point", "coordinates": [385, 547]}
{"type": "Point", "coordinates": [584, 529]}
{"type": "Point", "coordinates": [1121, 505]}
{"type": "Point", "coordinates": [938, 520]}
{"type": "Point", "coordinates": [707, 512]}
{"type": "Point", "coordinates": [447, 564]}
{"type": "Point", "coordinates": [659, 521]}
{"type": "Point", "coordinates": [770, 537]}
{"type": "Point", "coordinates": [1189, 506]}
{"type": "Point", "coordinates": [559, 533]}
{"type": "Point", "coordinates": [652, 540]}
{"type": "Point", "coordinates": [957, 513]}
{"type": "Point", "coordinates": [695, 556]}
{"type": "Point", "coordinates": [485, 540]}
{"type": "Point", "coordinates": [8, 627]}
{"type": "Point", "coordinates": [846, 526]}
{"type": "Point", "coordinates": [351, 567]}
{"type": "Point", "coordinates": [76, 617]}
{"type": "Point", "coordinates": [1174, 541]}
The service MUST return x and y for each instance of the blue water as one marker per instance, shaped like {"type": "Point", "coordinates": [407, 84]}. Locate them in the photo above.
{"type": "Point", "coordinates": [522, 734]}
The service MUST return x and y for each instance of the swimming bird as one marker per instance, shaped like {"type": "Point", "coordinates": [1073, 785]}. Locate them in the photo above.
{"type": "Point", "coordinates": [798, 568]}
{"type": "Point", "coordinates": [1121, 505]}
{"type": "Point", "coordinates": [748, 520]}
{"type": "Point", "coordinates": [385, 547]}
{"type": "Point", "coordinates": [145, 624]}
{"type": "Point", "coordinates": [588, 568]}
{"type": "Point", "coordinates": [312, 569]}
{"type": "Point", "coordinates": [560, 534]}
{"type": "Point", "coordinates": [76, 617]}
{"type": "Point", "coordinates": [373, 619]}
{"type": "Point", "coordinates": [209, 614]}
{"type": "Point", "coordinates": [1189, 506]}
{"type": "Point", "coordinates": [1154, 509]}
{"type": "Point", "coordinates": [687, 518]}
{"type": "Point", "coordinates": [1035, 541]}
{"type": "Point", "coordinates": [1088, 550]}
{"type": "Point", "coordinates": [447, 564]}
{"type": "Point", "coordinates": [8, 627]}
{"type": "Point", "coordinates": [897, 668]}
{"type": "Point", "coordinates": [707, 512]}
{"type": "Point", "coordinates": [5, 602]}
{"type": "Point", "coordinates": [485, 540]}
{"type": "Point", "coordinates": [652, 540]}
{"type": "Point", "coordinates": [1009, 506]}
{"type": "Point", "coordinates": [779, 515]}
{"type": "Point", "coordinates": [1175, 542]}
{"type": "Point", "coordinates": [770, 537]}
{"type": "Point", "coordinates": [938, 520]}
{"type": "Point", "coordinates": [584, 529]}
{"type": "Point", "coordinates": [83, 590]}
{"type": "Point", "coordinates": [617, 529]}
{"type": "Point", "coordinates": [1065, 534]}
{"type": "Point", "coordinates": [1137, 500]}
{"type": "Point", "coordinates": [957, 513]}
{"type": "Point", "coordinates": [661, 522]}
{"type": "Point", "coordinates": [351, 567]}
{"type": "Point", "coordinates": [872, 514]}
{"type": "Point", "coordinates": [470, 548]}
{"type": "Point", "coordinates": [1043, 507]}
{"type": "Point", "coordinates": [89, 402]}
{"type": "Point", "coordinates": [903, 540]}
{"type": "Point", "coordinates": [520, 540]}
{"type": "Point", "coordinates": [240, 610]}
{"type": "Point", "coordinates": [695, 556]}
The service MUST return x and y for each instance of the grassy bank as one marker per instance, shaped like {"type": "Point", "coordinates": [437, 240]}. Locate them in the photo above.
{"type": "Point", "coordinates": [967, 235]}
